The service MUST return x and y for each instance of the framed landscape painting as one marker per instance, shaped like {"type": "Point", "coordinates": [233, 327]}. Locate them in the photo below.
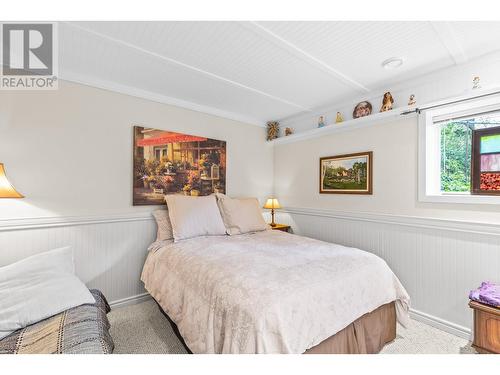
{"type": "Point", "coordinates": [167, 162]}
{"type": "Point", "coordinates": [346, 174]}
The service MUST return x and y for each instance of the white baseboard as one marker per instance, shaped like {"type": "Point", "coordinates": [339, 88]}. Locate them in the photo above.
{"type": "Point", "coordinates": [443, 325]}
{"type": "Point", "coordinates": [130, 300]}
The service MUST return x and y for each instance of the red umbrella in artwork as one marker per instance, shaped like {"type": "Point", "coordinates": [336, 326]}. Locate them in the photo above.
{"type": "Point", "coordinates": [169, 137]}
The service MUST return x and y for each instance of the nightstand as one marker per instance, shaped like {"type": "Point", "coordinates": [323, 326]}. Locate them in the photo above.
{"type": "Point", "coordinates": [281, 227]}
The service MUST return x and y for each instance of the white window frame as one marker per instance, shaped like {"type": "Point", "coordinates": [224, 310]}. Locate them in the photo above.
{"type": "Point", "coordinates": [429, 152]}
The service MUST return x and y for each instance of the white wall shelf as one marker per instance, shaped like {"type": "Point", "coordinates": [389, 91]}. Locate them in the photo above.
{"type": "Point", "coordinates": [388, 116]}
{"type": "Point", "coordinates": [346, 125]}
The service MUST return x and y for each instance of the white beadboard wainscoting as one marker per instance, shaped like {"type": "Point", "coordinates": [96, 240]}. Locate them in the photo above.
{"type": "Point", "coordinates": [438, 261]}
{"type": "Point", "coordinates": [109, 250]}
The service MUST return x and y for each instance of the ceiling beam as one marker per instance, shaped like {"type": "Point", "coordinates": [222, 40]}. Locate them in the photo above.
{"type": "Point", "coordinates": [448, 37]}
{"type": "Point", "coordinates": [187, 66]}
{"type": "Point", "coordinates": [303, 55]}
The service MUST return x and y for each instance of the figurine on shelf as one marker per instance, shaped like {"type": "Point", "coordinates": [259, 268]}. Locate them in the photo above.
{"type": "Point", "coordinates": [362, 109]}
{"type": "Point", "coordinates": [475, 83]}
{"type": "Point", "coordinates": [321, 121]}
{"type": "Point", "coordinates": [273, 130]}
{"type": "Point", "coordinates": [387, 102]}
{"type": "Point", "coordinates": [288, 131]}
{"type": "Point", "coordinates": [339, 118]}
{"type": "Point", "coordinates": [412, 100]}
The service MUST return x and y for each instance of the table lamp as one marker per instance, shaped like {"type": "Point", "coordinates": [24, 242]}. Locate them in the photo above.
{"type": "Point", "coordinates": [272, 204]}
{"type": "Point", "coordinates": [6, 188]}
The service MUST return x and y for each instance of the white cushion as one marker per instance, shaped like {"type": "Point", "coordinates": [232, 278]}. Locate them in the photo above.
{"type": "Point", "coordinates": [164, 231]}
{"type": "Point", "coordinates": [241, 215]}
{"type": "Point", "coordinates": [194, 216]}
{"type": "Point", "coordinates": [37, 288]}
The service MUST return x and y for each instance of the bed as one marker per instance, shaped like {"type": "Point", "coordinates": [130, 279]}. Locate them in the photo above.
{"type": "Point", "coordinates": [274, 292]}
{"type": "Point", "coordinates": [81, 330]}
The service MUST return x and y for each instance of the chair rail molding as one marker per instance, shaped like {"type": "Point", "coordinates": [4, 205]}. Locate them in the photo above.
{"type": "Point", "coordinates": [65, 221]}
{"type": "Point", "coordinates": [402, 220]}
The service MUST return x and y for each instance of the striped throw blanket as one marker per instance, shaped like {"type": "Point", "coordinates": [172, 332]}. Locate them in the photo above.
{"type": "Point", "coordinates": [81, 330]}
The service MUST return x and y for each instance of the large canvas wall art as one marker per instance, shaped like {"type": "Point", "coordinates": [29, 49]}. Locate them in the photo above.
{"type": "Point", "coordinates": [167, 162]}
{"type": "Point", "coordinates": [346, 174]}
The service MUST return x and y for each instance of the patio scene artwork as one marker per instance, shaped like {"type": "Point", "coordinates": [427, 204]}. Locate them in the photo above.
{"type": "Point", "coordinates": [346, 174]}
{"type": "Point", "coordinates": [173, 163]}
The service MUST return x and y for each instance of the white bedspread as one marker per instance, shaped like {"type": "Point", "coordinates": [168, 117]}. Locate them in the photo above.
{"type": "Point", "coordinates": [266, 292]}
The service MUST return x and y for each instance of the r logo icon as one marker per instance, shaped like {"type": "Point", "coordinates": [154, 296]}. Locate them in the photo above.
{"type": "Point", "coordinates": [27, 49]}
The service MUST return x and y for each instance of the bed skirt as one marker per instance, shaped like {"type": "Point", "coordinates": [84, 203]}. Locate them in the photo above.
{"type": "Point", "coordinates": [366, 335]}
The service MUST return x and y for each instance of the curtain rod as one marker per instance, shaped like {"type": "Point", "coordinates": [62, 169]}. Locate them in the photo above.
{"type": "Point", "coordinates": [430, 106]}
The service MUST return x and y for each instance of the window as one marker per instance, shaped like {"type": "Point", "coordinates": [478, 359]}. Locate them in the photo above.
{"type": "Point", "coordinates": [455, 151]}
{"type": "Point", "coordinates": [161, 153]}
{"type": "Point", "coordinates": [459, 148]}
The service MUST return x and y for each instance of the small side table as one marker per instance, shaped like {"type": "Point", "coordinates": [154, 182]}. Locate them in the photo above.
{"type": "Point", "coordinates": [486, 328]}
{"type": "Point", "coordinates": [281, 227]}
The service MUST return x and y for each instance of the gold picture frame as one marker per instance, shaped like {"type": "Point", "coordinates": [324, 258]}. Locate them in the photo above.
{"type": "Point", "coordinates": [346, 174]}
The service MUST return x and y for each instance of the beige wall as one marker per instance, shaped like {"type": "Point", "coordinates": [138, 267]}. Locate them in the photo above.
{"type": "Point", "coordinates": [70, 150]}
{"type": "Point", "coordinates": [394, 146]}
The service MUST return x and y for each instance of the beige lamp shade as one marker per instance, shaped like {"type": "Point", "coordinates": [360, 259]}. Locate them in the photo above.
{"type": "Point", "coordinates": [6, 188]}
{"type": "Point", "coordinates": [272, 203]}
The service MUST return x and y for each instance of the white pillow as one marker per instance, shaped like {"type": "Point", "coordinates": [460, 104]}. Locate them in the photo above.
{"type": "Point", "coordinates": [194, 216]}
{"type": "Point", "coordinates": [241, 215]}
{"type": "Point", "coordinates": [37, 288]}
{"type": "Point", "coordinates": [164, 231]}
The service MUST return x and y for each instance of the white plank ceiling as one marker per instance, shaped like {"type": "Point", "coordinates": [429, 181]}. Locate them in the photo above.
{"type": "Point", "coordinates": [260, 71]}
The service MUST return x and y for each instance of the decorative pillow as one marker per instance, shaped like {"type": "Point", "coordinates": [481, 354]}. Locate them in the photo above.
{"type": "Point", "coordinates": [39, 287]}
{"type": "Point", "coordinates": [194, 216]}
{"type": "Point", "coordinates": [164, 231]}
{"type": "Point", "coordinates": [241, 215]}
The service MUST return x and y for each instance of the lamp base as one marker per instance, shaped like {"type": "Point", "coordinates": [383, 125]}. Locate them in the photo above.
{"type": "Point", "coordinates": [273, 224]}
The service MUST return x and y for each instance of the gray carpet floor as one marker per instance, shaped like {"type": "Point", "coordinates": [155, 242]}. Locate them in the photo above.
{"type": "Point", "coordinates": [142, 329]}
